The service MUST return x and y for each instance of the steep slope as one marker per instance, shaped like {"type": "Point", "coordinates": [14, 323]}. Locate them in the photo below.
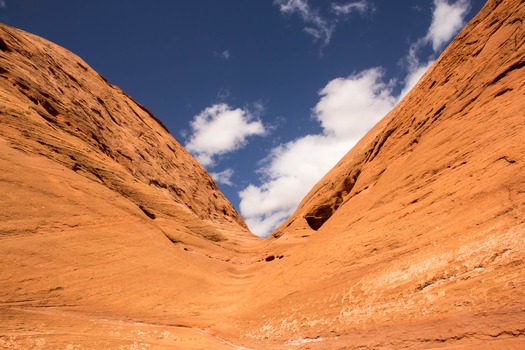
{"type": "Point", "coordinates": [416, 239]}
{"type": "Point", "coordinates": [112, 236]}
{"type": "Point", "coordinates": [104, 214]}
{"type": "Point", "coordinates": [55, 105]}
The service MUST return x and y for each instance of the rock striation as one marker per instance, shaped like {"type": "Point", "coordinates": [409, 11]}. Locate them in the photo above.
{"type": "Point", "coordinates": [112, 236]}
{"type": "Point", "coordinates": [419, 230]}
{"type": "Point", "coordinates": [54, 104]}
{"type": "Point", "coordinates": [103, 212]}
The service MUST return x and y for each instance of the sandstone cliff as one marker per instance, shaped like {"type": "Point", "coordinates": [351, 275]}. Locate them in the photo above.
{"type": "Point", "coordinates": [103, 211]}
{"type": "Point", "coordinates": [418, 233]}
{"type": "Point", "coordinates": [112, 236]}
{"type": "Point", "coordinates": [55, 105]}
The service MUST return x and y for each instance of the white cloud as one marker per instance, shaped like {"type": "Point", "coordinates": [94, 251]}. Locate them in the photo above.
{"type": "Point", "coordinates": [225, 55]}
{"type": "Point", "coordinates": [292, 169]}
{"type": "Point", "coordinates": [344, 9]}
{"type": "Point", "coordinates": [447, 20]}
{"type": "Point", "coordinates": [317, 26]}
{"type": "Point", "coordinates": [219, 129]}
{"type": "Point", "coordinates": [349, 105]}
{"type": "Point", "coordinates": [3, 4]}
{"type": "Point", "coordinates": [223, 177]}
{"type": "Point", "coordinates": [347, 109]}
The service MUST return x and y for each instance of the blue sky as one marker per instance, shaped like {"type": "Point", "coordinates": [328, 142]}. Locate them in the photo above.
{"type": "Point", "coordinates": [268, 95]}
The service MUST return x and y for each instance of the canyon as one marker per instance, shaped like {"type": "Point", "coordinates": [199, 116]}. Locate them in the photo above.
{"type": "Point", "coordinates": [113, 237]}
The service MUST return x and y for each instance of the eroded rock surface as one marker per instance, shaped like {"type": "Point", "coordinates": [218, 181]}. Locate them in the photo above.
{"type": "Point", "coordinates": [112, 236]}
{"type": "Point", "coordinates": [54, 104]}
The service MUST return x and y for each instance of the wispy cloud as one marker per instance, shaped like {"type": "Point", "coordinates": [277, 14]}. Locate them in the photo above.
{"type": "Point", "coordinates": [362, 7]}
{"type": "Point", "coordinates": [320, 27]}
{"type": "Point", "coordinates": [220, 129]}
{"type": "Point", "coordinates": [317, 26]}
{"type": "Point", "coordinates": [225, 55]}
{"type": "Point", "coordinates": [3, 4]}
{"type": "Point", "coordinates": [223, 177]}
{"type": "Point", "coordinates": [347, 109]}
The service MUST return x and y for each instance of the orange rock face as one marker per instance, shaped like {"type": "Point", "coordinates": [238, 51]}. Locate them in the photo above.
{"type": "Point", "coordinates": [112, 236]}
